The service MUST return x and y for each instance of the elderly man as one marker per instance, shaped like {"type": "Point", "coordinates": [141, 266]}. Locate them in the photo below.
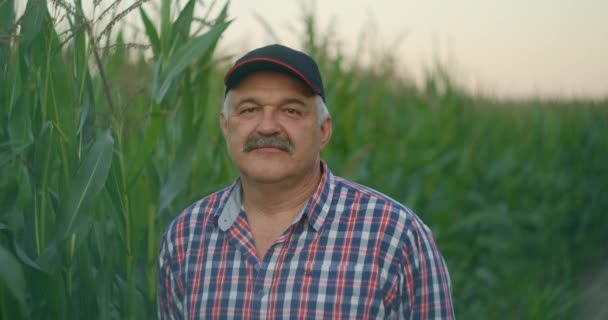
{"type": "Point", "coordinates": [289, 240]}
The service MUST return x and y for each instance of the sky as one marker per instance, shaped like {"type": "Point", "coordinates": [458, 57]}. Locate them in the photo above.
{"type": "Point", "coordinates": [510, 48]}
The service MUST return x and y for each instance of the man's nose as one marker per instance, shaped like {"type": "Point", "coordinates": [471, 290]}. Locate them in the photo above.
{"type": "Point", "coordinates": [268, 124]}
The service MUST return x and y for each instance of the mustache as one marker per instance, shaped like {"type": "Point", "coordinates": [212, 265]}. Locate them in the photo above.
{"type": "Point", "coordinates": [274, 141]}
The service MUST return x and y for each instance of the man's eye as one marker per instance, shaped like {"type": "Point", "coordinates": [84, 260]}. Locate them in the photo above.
{"type": "Point", "coordinates": [248, 110]}
{"type": "Point", "coordinates": [292, 111]}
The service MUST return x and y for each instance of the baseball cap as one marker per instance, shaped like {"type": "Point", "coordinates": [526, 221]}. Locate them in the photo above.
{"type": "Point", "coordinates": [277, 58]}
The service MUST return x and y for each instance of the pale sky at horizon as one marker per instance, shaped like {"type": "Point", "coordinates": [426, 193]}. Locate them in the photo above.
{"type": "Point", "coordinates": [508, 48]}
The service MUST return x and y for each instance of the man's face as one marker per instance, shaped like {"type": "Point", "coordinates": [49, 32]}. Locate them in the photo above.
{"type": "Point", "coordinates": [272, 129]}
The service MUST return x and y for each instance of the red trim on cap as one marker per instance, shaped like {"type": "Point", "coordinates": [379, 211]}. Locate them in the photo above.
{"type": "Point", "coordinates": [281, 63]}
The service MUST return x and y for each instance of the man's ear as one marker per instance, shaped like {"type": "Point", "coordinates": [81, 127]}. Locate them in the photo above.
{"type": "Point", "coordinates": [223, 123]}
{"type": "Point", "coordinates": [326, 131]}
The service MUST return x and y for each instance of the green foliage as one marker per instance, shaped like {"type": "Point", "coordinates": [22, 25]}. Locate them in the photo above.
{"type": "Point", "coordinates": [101, 148]}
{"type": "Point", "coordinates": [11, 275]}
{"type": "Point", "coordinates": [95, 161]}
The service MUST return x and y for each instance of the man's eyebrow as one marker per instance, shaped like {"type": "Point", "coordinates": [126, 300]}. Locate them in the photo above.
{"type": "Point", "coordinates": [246, 100]}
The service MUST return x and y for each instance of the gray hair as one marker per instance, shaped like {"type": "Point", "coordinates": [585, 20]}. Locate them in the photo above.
{"type": "Point", "coordinates": [322, 112]}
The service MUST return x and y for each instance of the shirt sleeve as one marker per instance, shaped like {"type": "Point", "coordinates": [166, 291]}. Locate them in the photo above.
{"type": "Point", "coordinates": [425, 281]}
{"type": "Point", "coordinates": [170, 291]}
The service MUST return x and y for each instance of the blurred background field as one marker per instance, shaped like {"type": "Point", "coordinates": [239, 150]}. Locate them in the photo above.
{"type": "Point", "coordinates": [103, 141]}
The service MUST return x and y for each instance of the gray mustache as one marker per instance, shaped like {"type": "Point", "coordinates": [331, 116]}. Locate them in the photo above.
{"type": "Point", "coordinates": [271, 141]}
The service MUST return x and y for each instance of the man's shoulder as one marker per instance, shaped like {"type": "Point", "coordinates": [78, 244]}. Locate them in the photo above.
{"type": "Point", "coordinates": [386, 209]}
{"type": "Point", "coordinates": [353, 190]}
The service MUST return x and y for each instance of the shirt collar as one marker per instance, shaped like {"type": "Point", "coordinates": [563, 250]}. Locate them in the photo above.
{"type": "Point", "coordinates": [316, 209]}
{"type": "Point", "coordinates": [232, 207]}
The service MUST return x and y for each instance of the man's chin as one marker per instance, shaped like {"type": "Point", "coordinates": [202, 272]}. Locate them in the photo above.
{"type": "Point", "coordinates": [266, 170]}
{"type": "Point", "coordinates": [264, 177]}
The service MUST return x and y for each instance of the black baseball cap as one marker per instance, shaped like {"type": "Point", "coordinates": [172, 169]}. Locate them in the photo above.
{"type": "Point", "coordinates": [277, 58]}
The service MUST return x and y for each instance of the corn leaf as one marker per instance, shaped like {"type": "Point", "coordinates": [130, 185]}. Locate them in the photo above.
{"type": "Point", "coordinates": [90, 178]}
{"type": "Point", "coordinates": [181, 26]}
{"type": "Point", "coordinates": [185, 56]}
{"type": "Point", "coordinates": [11, 275]}
{"type": "Point", "coordinates": [150, 32]}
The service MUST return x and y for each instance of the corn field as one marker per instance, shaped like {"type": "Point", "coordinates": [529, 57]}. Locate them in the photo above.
{"type": "Point", "coordinates": [103, 142]}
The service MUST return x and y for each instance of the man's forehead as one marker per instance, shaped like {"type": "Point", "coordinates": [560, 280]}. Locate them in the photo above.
{"type": "Point", "coordinates": [272, 82]}
{"type": "Point", "coordinates": [262, 99]}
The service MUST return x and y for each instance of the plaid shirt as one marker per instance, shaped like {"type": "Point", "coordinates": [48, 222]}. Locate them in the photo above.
{"type": "Point", "coordinates": [352, 253]}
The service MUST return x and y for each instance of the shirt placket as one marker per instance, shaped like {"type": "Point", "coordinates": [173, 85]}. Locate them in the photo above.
{"type": "Point", "coordinates": [266, 275]}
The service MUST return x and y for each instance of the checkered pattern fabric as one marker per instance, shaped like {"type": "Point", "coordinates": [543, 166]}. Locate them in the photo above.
{"type": "Point", "coordinates": [352, 253]}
